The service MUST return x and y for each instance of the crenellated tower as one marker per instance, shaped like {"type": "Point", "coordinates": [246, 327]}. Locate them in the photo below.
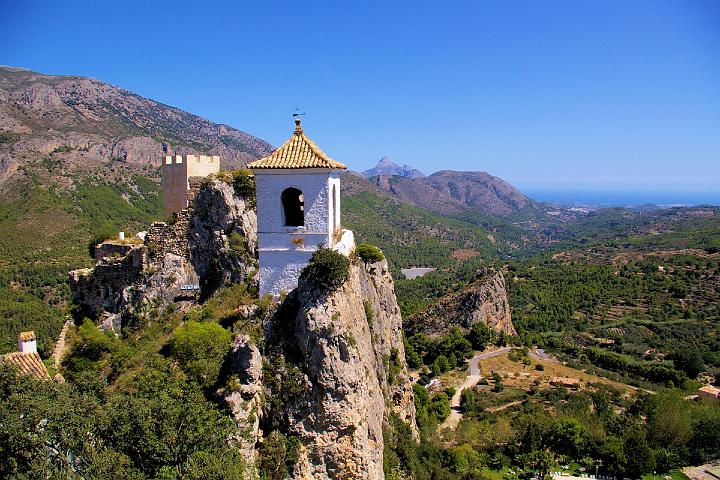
{"type": "Point", "coordinates": [176, 173]}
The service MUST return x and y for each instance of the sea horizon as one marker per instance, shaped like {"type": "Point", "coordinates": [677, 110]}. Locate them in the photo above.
{"type": "Point", "coordinates": [624, 197]}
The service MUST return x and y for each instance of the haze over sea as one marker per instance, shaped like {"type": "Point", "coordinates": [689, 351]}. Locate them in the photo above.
{"type": "Point", "coordinates": [623, 197]}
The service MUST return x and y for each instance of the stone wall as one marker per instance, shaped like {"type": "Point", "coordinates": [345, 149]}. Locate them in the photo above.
{"type": "Point", "coordinates": [103, 289]}
{"type": "Point", "coordinates": [176, 172]}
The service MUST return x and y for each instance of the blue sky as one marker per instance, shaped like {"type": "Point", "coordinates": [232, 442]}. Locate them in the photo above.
{"type": "Point", "coordinates": [562, 94]}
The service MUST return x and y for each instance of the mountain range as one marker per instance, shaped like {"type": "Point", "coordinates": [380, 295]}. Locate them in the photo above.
{"type": "Point", "coordinates": [91, 121]}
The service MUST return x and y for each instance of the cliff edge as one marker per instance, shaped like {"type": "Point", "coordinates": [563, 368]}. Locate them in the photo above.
{"type": "Point", "coordinates": [347, 350]}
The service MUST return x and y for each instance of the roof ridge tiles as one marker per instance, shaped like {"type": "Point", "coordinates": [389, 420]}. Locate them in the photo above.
{"type": "Point", "coordinates": [297, 152]}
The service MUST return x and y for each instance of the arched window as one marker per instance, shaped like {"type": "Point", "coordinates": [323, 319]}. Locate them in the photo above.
{"type": "Point", "coordinates": [293, 207]}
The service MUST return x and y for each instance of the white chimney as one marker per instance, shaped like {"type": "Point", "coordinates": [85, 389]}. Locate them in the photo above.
{"type": "Point", "coordinates": [27, 343]}
{"type": "Point", "coordinates": [121, 235]}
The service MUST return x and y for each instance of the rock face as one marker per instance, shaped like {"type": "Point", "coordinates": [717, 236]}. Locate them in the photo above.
{"type": "Point", "coordinates": [246, 399]}
{"type": "Point", "coordinates": [483, 300]}
{"type": "Point", "coordinates": [348, 345]}
{"type": "Point", "coordinates": [211, 243]}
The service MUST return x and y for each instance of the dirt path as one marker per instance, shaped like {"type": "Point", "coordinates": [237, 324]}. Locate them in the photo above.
{"type": "Point", "coordinates": [473, 378]}
{"type": "Point", "coordinates": [503, 407]}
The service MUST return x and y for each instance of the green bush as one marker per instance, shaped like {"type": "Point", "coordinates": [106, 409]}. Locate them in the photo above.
{"type": "Point", "coordinates": [243, 183]}
{"type": "Point", "coordinates": [327, 268]}
{"type": "Point", "coordinates": [369, 253]}
{"type": "Point", "coordinates": [481, 336]}
{"type": "Point", "coordinates": [200, 348]}
{"type": "Point", "coordinates": [411, 355]}
{"type": "Point", "coordinates": [440, 365]}
{"type": "Point", "coordinates": [277, 455]}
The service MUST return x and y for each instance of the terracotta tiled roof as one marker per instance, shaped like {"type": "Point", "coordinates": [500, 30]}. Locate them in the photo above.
{"type": "Point", "coordinates": [711, 390]}
{"type": "Point", "coordinates": [298, 152]}
{"type": "Point", "coordinates": [26, 336]}
{"type": "Point", "coordinates": [28, 363]}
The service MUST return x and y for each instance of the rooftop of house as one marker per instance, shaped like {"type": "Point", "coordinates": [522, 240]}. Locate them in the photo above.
{"type": "Point", "coordinates": [28, 363]}
{"type": "Point", "coordinates": [298, 152]}
{"type": "Point", "coordinates": [710, 389]}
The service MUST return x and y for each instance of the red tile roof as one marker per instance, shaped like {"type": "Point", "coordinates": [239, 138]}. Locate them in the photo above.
{"type": "Point", "coordinates": [28, 363]}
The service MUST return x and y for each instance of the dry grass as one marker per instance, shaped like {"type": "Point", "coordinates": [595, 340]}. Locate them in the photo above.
{"type": "Point", "coordinates": [515, 374]}
{"type": "Point", "coordinates": [463, 255]}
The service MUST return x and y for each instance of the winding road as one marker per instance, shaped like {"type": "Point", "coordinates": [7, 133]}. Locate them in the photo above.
{"type": "Point", "coordinates": [455, 415]}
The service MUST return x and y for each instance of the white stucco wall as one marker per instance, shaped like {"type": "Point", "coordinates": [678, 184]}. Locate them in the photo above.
{"type": "Point", "coordinates": [28, 346]}
{"type": "Point", "coordinates": [279, 271]}
{"type": "Point", "coordinates": [281, 260]}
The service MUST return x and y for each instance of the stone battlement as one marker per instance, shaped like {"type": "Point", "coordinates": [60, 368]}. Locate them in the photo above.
{"type": "Point", "coordinates": [179, 159]}
{"type": "Point", "coordinates": [177, 170]}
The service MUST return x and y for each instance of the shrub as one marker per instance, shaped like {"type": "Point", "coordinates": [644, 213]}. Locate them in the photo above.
{"type": "Point", "coordinates": [277, 455]}
{"type": "Point", "coordinates": [481, 336]}
{"type": "Point", "coordinates": [327, 268]}
{"type": "Point", "coordinates": [411, 356]}
{"type": "Point", "coordinates": [440, 365]}
{"type": "Point", "coordinates": [439, 406]}
{"type": "Point", "coordinates": [243, 183]}
{"type": "Point", "coordinates": [369, 253]}
{"type": "Point", "coordinates": [239, 245]}
{"type": "Point", "coordinates": [469, 400]}
{"type": "Point", "coordinates": [200, 348]}
{"type": "Point", "coordinates": [369, 315]}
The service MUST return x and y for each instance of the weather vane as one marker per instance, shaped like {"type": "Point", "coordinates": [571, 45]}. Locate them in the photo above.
{"type": "Point", "coordinates": [297, 113]}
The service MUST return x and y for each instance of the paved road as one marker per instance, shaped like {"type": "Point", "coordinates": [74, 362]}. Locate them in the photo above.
{"type": "Point", "coordinates": [455, 416]}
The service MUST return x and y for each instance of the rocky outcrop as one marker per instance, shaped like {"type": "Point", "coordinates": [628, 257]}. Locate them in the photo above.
{"type": "Point", "coordinates": [244, 398]}
{"type": "Point", "coordinates": [348, 346]}
{"type": "Point", "coordinates": [483, 300]}
{"type": "Point", "coordinates": [211, 243]}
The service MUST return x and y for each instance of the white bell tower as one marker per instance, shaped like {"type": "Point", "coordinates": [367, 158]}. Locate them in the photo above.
{"type": "Point", "coordinates": [298, 209]}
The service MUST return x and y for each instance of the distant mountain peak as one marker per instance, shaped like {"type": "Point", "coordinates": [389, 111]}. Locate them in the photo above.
{"type": "Point", "coordinates": [385, 162]}
{"type": "Point", "coordinates": [386, 167]}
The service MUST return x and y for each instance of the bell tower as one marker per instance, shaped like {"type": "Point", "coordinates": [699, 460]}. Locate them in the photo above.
{"type": "Point", "coordinates": [298, 209]}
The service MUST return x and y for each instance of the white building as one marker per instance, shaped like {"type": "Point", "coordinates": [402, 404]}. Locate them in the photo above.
{"type": "Point", "coordinates": [298, 209]}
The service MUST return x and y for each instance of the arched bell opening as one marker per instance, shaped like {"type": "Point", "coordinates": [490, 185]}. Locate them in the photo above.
{"type": "Point", "coordinates": [293, 204]}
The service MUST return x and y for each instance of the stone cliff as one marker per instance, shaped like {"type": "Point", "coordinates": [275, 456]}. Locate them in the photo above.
{"type": "Point", "coordinates": [483, 300]}
{"type": "Point", "coordinates": [209, 244]}
{"type": "Point", "coordinates": [345, 351]}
